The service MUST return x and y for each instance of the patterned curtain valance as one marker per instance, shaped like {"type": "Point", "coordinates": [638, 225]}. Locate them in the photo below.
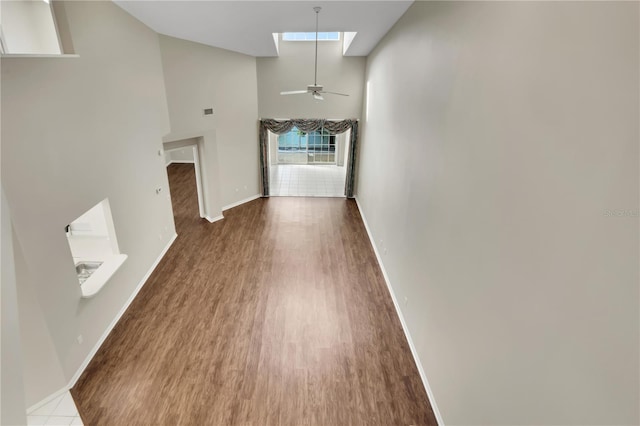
{"type": "Point", "coordinates": [308, 125]}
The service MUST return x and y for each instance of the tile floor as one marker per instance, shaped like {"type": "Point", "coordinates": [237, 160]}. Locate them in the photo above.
{"type": "Point", "coordinates": [301, 180]}
{"type": "Point", "coordinates": [60, 411]}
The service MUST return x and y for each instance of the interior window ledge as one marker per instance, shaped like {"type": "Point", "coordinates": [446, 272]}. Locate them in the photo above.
{"type": "Point", "coordinates": [39, 55]}
{"type": "Point", "coordinates": [101, 276]}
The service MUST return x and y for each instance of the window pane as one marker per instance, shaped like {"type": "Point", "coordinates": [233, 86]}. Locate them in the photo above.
{"type": "Point", "coordinates": [310, 36]}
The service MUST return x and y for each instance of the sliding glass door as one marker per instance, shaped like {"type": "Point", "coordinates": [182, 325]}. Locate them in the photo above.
{"type": "Point", "coordinates": [297, 147]}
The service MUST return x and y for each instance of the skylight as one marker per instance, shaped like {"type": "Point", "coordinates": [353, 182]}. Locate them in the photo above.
{"type": "Point", "coordinates": [332, 36]}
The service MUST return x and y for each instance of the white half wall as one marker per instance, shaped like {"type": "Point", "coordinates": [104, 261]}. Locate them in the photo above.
{"type": "Point", "coordinates": [74, 132]}
{"type": "Point", "coordinates": [199, 77]}
{"type": "Point", "coordinates": [294, 70]}
{"type": "Point", "coordinates": [499, 176]}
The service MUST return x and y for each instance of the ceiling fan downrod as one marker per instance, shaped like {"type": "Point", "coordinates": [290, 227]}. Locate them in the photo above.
{"type": "Point", "coordinates": [317, 9]}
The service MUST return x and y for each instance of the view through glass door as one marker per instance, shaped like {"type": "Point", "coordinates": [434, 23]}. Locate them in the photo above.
{"type": "Point", "coordinates": [298, 147]}
{"type": "Point", "coordinates": [309, 164]}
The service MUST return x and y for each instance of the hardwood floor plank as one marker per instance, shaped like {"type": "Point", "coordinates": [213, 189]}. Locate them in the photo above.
{"type": "Point", "coordinates": [276, 315]}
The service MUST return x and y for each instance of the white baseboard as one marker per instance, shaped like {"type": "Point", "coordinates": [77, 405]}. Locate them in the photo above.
{"type": "Point", "coordinates": [104, 336]}
{"type": "Point", "coordinates": [47, 400]}
{"type": "Point", "coordinates": [414, 352]}
{"type": "Point", "coordinates": [214, 219]}
{"type": "Point", "coordinates": [246, 200]}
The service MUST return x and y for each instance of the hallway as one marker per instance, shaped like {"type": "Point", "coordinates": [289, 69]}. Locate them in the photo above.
{"type": "Point", "coordinates": [277, 314]}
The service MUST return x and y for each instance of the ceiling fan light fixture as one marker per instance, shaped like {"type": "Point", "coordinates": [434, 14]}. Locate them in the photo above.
{"type": "Point", "coordinates": [315, 89]}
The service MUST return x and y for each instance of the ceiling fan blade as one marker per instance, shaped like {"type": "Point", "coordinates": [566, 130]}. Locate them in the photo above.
{"type": "Point", "coordinates": [294, 92]}
{"type": "Point", "coordinates": [334, 93]}
{"type": "Point", "coordinates": [317, 96]}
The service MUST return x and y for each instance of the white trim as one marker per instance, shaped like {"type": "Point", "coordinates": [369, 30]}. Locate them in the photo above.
{"type": "Point", "coordinates": [179, 162]}
{"type": "Point", "coordinates": [214, 219]}
{"type": "Point", "coordinates": [104, 336]}
{"type": "Point", "coordinates": [3, 43]}
{"type": "Point", "coordinates": [183, 136]}
{"type": "Point", "coordinates": [196, 162]}
{"type": "Point", "coordinates": [47, 400]}
{"type": "Point", "coordinates": [276, 41]}
{"type": "Point", "coordinates": [246, 200]}
{"type": "Point", "coordinates": [414, 352]}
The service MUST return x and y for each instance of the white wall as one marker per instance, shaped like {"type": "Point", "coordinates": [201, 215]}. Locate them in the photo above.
{"type": "Point", "coordinates": [294, 70]}
{"type": "Point", "coordinates": [342, 144]}
{"type": "Point", "coordinates": [499, 134]}
{"type": "Point", "coordinates": [12, 400]}
{"type": "Point", "coordinates": [91, 223]}
{"type": "Point", "coordinates": [28, 27]}
{"type": "Point", "coordinates": [74, 132]}
{"type": "Point", "coordinates": [3, 47]}
{"type": "Point", "coordinates": [42, 371]}
{"type": "Point", "coordinates": [273, 149]}
{"type": "Point", "coordinates": [197, 77]}
{"type": "Point", "coordinates": [182, 155]}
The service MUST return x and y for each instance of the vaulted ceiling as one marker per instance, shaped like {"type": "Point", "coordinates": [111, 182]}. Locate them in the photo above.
{"type": "Point", "coordinates": [247, 26]}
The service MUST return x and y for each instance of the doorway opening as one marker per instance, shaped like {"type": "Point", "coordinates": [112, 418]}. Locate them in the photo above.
{"type": "Point", "coordinates": [185, 184]}
{"type": "Point", "coordinates": [309, 164]}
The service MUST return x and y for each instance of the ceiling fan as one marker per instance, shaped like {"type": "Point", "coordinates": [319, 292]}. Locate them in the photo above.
{"type": "Point", "coordinates": [315, 89]}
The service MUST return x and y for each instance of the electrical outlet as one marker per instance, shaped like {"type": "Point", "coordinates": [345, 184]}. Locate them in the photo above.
{"type": "Point", "coordinates": [406, 301]}
{"type": "Point", "coordinates": [80, 339]}
{"type": "Point", "coordinates": [384, 250]}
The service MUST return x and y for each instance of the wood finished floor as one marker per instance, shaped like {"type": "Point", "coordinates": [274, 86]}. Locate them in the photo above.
{"type": "Point", "coordinates": [276, 315]}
